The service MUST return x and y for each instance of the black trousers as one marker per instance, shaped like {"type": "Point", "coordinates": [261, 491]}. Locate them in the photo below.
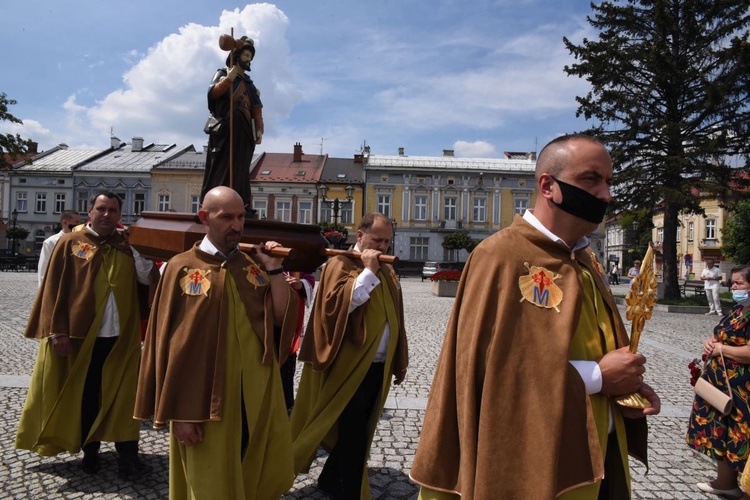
{"type": "Point", "coordinates": [287, 380]}
{"type": "Point", "coordinates": [614, 485]}
{"type": "Point", "coordinates": [91, 401]}
{"type": "Point", "coordinates": [342, 473]}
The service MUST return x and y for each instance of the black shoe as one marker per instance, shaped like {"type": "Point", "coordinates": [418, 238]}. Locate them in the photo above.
{"type": "Point", "coordinates": [132, 467]}
{"type": "Point", "coordinates": [90, 462]}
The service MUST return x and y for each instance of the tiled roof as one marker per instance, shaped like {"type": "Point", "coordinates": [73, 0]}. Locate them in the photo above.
{"type": "Point", "coordinates": [188, 160]}
{"type": "Point", "coordinates": [342, 170]}
{"type": "Point", "coordinates": [124, 159]}
{"type": "Point", "coordinates": [60, 159]}
{"type": "Point", "coordinates": [280, 167]}
{"type": "Point", "coordinates": [450, 163]}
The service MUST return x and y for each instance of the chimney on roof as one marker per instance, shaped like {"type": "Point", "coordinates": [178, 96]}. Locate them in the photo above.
{"type": "Point", "coordinates": [447, 152]}
{"type": "Point", "coordinates": [33, 147]}
{"type": "Point", "coordinates": [114, 142]}
{"type": "Point", "coordinates": [297, 153]}
{"type": "Point", "coordinates": [401, 151]}
{"type": "Point", "coordinates": [358, 158]}
{"type": "Point", "coordinates": [137, 144]}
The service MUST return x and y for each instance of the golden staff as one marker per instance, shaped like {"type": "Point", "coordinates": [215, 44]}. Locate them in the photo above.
{"type": "Point", "coordinates": [640, 301]}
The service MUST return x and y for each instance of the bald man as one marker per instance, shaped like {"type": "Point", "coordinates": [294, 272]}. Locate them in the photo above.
{"type": "Point", "coordinates": [210, 369]}
{"type": "Point", "coordinates": [535, 351]}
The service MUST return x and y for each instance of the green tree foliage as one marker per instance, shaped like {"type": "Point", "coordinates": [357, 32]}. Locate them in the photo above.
{"type": "Point", "coordinates": [17, 233]}
{"type": "Point", "coordinates": [669, 90]}
{"type": "Point", "coordinates": [460, 240]}
{"type": "Point", "coordinates": [11, 146]}
{"type": "Point", "coordinates": [736, 234]}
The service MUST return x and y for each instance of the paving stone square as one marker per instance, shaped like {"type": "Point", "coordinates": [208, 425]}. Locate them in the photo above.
{"type": "Point", "coordinates": [670, 341]}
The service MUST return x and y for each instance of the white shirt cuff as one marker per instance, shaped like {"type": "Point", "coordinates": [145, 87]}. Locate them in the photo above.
{"type": "Point", "coordinates": [591, 375]}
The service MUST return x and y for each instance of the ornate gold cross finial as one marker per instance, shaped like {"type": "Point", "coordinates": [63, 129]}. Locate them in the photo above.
{"type": "Point", "coordinates": [640, 301]}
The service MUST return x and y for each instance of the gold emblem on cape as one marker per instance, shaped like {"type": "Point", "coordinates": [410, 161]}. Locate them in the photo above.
{"type": "Point", "coordinates": [256, 276]}
{"type": "Point", "coordinates": [195, 282]}
{"type": "Point", "coordinates": [84, 250]}
{"type": "Point", "coordinates": [539, 288]}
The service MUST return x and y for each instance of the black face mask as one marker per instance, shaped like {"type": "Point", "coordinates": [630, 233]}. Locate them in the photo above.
{"type": "Point", "coordinates": [581, 203]}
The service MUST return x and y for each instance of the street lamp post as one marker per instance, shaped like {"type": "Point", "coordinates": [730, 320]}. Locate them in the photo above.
{"type": "Point", "coordinates": [14, 220]}
{"type": "Point", "coordinates": [335, 204]}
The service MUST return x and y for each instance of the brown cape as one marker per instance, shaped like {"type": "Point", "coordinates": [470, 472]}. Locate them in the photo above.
{"type": "Point", "coordinates": [508, 415]}
{"type": "Point", "coordinates": [329, 322]}
{"type": "Point", "coordinates": [182, 367]}
{"type": "Point", "coordinates": [65, 303]}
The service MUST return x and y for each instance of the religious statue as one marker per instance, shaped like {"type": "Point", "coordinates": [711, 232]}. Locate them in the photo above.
{"type": "Point", "coordinates": [235, 126]}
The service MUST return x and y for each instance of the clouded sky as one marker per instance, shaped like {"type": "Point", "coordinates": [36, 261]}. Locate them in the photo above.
{"type": "Point", "coordinates": [477, 76]}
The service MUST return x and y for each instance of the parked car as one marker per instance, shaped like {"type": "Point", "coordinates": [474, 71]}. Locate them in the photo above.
{"type": "Point", "coordinates": [431, 267]}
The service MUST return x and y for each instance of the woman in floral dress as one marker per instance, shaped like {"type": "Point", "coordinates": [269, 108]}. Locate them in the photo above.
{"type": "Point", "coordinates": [725, 438]}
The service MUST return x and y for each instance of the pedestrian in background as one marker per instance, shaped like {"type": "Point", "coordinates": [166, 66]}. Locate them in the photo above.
{"type": "Point", "coordinates": [724, 438]}
{"type": "Point", "coordinates": [68, 220]}
{"type": "Point", "coordinates": [614, 274]}
{"type": "Point", "coordinates": [711, 277]}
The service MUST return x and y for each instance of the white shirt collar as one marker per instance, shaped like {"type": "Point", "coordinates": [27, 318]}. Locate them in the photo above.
{"type": "Point", "coordinates": [529, 217]}
{"type": "Point", "coordinates": [210, 248]}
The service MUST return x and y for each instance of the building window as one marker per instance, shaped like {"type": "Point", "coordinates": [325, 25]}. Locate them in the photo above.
{"type": "Point", "coordinates": [384, 204]}
{"type": "Point", "coordinates": [449, 207]}
{"type": "Point", "coordinates": [710, 229]}
{"type": "Point", "coordinates": [139, 203]}
{"type": "Point", "coordinates": [39, 238]}
{"type": "Point", "coordinates": [679, 233]}
{"type": "Point", "coordinates": [347, 215]}
{"type": "Point", "coordinates": [22, 201]}
{"type": "Point", "coordinates": [479, 211]}
{"type": "Point", "coordinates": [284, 211]}
{"type": "Point", "coordinates": [195, 203]}
{"type": "Point", "coordinates": [660, 235]}
{"type": "Point", "coordinates": [59, 203]}
{"type": "Point", "coordinates": [41, 203]}
{"type": "Point", "coordinates": [82, 202]}
{"type": "Point", "coordinates": [450, 255]}
{"type": "Point", "coordinates": [304, 212]}
{"type": "Point", "coordinates": [420, 207]}
{"type": "Point", "coordinates": [261, 209]}
{"type": "Point", "coordinates": [520, 205]}
{"type": "Point", "coordinates": [164, 202]}
{"type": "Point", "coordinates": [691, 227]}
{"type": "Point", "coordinates": [418, 248]}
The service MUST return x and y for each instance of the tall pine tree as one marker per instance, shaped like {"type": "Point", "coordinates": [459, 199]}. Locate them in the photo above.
{"type": "Point", "coordinates": [669, 89]}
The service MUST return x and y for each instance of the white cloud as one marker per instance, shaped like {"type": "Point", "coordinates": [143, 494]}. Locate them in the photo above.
{"type": "Point", "coordinates": [164, 96]}
{"type": "Point", "coordinates": [476, 149]}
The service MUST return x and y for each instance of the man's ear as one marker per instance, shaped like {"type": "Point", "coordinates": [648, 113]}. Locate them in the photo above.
{"type": "Point", "coordinates": [203, 216]}
{"type": "Point", "coordinates": [544, 185]}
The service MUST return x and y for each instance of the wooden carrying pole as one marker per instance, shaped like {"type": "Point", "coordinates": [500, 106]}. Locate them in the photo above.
{"type": "Point", "coordinates": [330, 252]}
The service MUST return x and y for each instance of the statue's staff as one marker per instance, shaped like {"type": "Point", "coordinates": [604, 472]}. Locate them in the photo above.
{"type": "Point", "coordinates": [227, 42]}
{"type": "Point", "coordinates": [640, 301]}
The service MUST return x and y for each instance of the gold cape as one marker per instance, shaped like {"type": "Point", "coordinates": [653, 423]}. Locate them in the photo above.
{"type": "Point", "coordinates": [185, 341]}
{"type": "Point", "coordinates": [508, 416]}
{"type": "Point", "coordinates": [338, 349]}
{"type": "Point", "coordinates": [71, 301]}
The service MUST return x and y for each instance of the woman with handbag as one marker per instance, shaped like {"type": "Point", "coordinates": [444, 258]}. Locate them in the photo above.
{"type": "Point", "coordinates": [724, 437]}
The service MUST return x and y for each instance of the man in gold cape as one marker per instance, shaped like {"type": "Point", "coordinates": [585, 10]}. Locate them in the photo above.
{"type": "Point", "coordinates": [355, 342]}
{"type": "Point", "coordinates": [210, 368]}
{"type": "Point", "coordinates": [83, 386]}
{"type": "Point", "coordinates": [521, 404]}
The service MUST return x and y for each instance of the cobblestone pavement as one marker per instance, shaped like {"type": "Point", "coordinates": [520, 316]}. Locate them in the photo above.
{"type": "Point", "coordinates": [669, 342]}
